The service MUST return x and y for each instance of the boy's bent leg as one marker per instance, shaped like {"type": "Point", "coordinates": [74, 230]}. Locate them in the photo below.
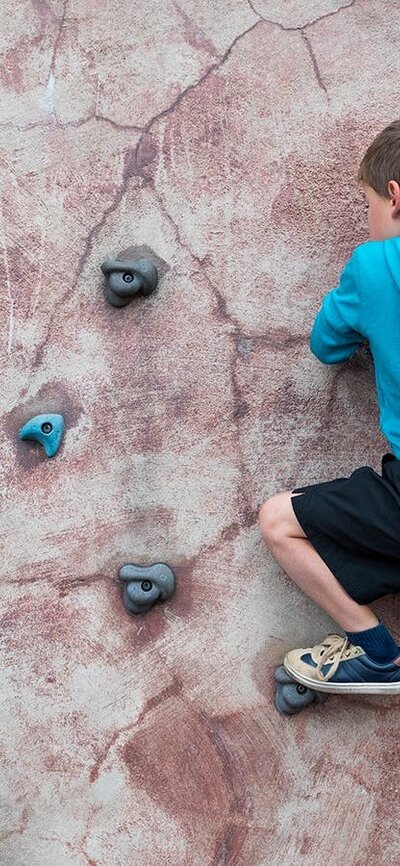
{"type": "Point", "coordinates": [297, 556]}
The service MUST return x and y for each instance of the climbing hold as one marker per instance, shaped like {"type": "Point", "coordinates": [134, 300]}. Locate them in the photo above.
{"type": "Point", "coordinates": [292, 697]}
{"type": "Point", "coordinates": [144, 585]}
{"type": "Point", "coordinates": [124, 279]}
{"type": "Point", "coordinates": [46, 429]}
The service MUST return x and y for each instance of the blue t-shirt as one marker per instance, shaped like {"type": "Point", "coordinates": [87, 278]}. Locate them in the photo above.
{"type": "Point", "coordinates": [365, 306]}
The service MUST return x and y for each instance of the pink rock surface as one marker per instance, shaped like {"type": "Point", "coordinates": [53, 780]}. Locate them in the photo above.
{"type": "Point", "coordinates": [222, 140]}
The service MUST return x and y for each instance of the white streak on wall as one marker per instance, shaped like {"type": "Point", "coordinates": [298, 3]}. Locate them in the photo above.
{"type": "Point", "coordinates": [49, 96]}
{"type": "Point", "coordinates": [8, 284]}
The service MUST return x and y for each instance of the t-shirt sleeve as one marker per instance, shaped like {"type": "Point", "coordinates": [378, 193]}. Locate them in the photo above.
{"type": "Point", "coordinates": [338, 331]}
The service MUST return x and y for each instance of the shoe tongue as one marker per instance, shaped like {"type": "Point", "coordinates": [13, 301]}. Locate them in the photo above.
{"type": "Point", "coordinates": [331, 639]}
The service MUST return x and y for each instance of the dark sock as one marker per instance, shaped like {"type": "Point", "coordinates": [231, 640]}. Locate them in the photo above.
{"type": "Point", "coordinates": [377, 643]}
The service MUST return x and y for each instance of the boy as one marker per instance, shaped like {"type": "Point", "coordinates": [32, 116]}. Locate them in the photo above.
{"type": "Point", "coordinates": [340, 540]}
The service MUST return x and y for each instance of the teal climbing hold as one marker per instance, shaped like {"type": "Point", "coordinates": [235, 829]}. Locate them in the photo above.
{"type": "Point", "coordinates": [46, 429]}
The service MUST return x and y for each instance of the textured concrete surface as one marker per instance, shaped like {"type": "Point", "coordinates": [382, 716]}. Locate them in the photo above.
{"type": "Point", "coordinates": [223, 140]}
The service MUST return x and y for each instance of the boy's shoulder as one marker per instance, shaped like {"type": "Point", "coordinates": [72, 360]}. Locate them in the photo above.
{"type": "Point", "coordinates": [376, 250]}
{"type": "Point", "coordinates": [375, 263]}
{"type": "Point", "coordinates": [373, 260]}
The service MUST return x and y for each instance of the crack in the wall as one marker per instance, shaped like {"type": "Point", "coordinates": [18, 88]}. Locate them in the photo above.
{"type": "Point", "coordinates": [254, 10]}
{"type": "Point", "coordinates": [314, 63]}
{"type": "Point", "coordinates": [57, 40]}
{"type": "Point", "coordinates": [127, 174]}
{"type": "Point", "coordinates": [88, 246]}
{"type": "Point", "coordinates": [303, 26]}
{"type": "Point", "coordinates": [99, 118]}
{"type": "Point", "coordinates": [214, 66]}
{"type": "Point", "coordinates": [50, 78]}
{"type": "Point", "coordinates": [74, 124]}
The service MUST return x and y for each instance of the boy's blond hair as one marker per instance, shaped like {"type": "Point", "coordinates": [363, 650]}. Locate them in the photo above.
{"type": "Point", "coordinates": [381, 161]}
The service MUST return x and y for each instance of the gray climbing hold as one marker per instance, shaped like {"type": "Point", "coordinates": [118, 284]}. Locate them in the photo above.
{"type": "Point", "coordinates": [47, 429]}
{"type": "Point", "coordinates": [125, 279]}
{"type": "Point", "coordinates": [145, 585]}
{"type": "Point", "coordinates": [292, 697]}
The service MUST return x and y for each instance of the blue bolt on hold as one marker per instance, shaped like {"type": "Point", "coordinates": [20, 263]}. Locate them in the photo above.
{"type": "Point", "coordinates": [46, 429]}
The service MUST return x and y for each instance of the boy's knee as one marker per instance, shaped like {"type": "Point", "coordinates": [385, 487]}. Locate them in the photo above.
{"type": "Point", "coordinates": [270, 519]}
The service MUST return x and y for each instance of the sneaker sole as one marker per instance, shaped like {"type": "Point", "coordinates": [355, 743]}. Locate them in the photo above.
{"type": "Point", "coordinates": [344, 688]}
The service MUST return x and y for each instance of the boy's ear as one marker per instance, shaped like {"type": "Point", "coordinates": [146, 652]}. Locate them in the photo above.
{"type": "Point", "coordinates": [394, 192]}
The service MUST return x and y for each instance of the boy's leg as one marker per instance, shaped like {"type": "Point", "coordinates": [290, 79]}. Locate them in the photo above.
{"type": "Point", "coordinates": [295, 553]}
{"type": "Point", "coordinates": [289, 545]}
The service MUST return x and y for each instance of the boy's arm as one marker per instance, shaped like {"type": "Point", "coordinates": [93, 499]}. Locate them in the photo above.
{"type": "Point", "coordinates": [338, 331]}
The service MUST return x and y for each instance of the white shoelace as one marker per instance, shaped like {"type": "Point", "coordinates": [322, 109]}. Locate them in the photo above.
{"type": "Point", "coordinates": [334, 652]}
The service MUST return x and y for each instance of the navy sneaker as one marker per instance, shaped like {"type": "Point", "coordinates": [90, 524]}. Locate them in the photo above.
{"type": "Point", "coordinates": [336, 665]}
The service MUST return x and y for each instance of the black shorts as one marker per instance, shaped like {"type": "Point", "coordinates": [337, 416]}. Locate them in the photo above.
{"type": "Point", "coordinates": [354, 525]}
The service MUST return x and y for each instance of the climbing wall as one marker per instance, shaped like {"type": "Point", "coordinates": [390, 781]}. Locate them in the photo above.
{"type": "Point", "coordinates": [220, 142]}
